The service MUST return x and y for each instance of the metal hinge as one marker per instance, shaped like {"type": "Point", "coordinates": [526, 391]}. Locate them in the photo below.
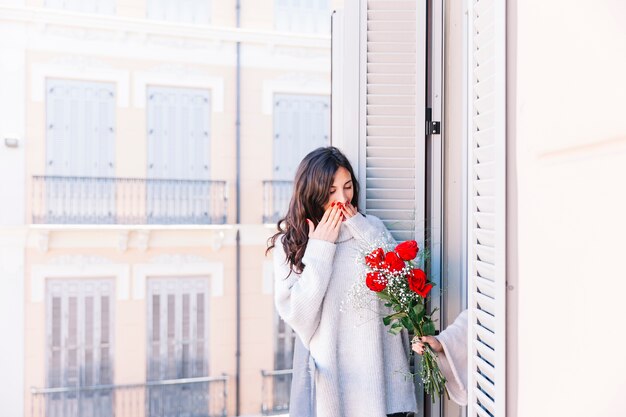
{"type": "Point", "coordinates": [432, 128]}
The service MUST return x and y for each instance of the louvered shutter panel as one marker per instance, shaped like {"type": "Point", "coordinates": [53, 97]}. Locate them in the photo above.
{"type": "Point", "coordinates": [80, 137]}
{"type": "Point", "coordinates": [79, 332]}
{"type": "Point", "coordinates": [307, 16]}
{"type": "Point", "coordinates": [189, 11]}
{"type": "Point", "coordinates": [201, 135]}
{"type": "Point", "coordinates": [487, 174]}
{"type": "Point", "coordinates": [301, 124]}
{"type": "Point", "coordinates": [280, 142]}
{"type": "Point", "coordinates": [155, 9]}
{"type": "Point", "coordinates": [57, 138]}
{"type": "Point", "coordinates": [86, 6]}
{"type": "Point", "coordinates": [179, 133]}
{"type": "Point", "coordinates": [177, 328]}
{"type": "Point", "coordinates": [282, 15]}
{"type": "Point", "coordinates": [393, 115]}
{"type": "Point", "coordinates": [320, 123]}
{"type": "Point", "coordinates": [105, 6]}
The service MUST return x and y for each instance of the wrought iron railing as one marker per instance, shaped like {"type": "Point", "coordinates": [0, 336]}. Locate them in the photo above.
{"type": "Point", "coordinates": [190, 397]}
{"type": "Point", "coordinates": [276, 197]}
{"type": "Point", "coordinates": [103, 200]}
{"type": "Point", "coordinates": [276, 388]}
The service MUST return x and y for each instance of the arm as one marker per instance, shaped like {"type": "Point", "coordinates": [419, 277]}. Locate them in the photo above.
{"type": "Point", "coordinates": [299, 297]}
{"type": "Point", "coordinates": [451, 348]}
{"type": "Point", "coordinates": [453, 360]}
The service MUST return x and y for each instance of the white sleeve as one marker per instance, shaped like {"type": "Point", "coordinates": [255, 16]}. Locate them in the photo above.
{"type": "Point", "coordinates": [453, 360]}
{"type": "Point", "coordinates": [298, 297]}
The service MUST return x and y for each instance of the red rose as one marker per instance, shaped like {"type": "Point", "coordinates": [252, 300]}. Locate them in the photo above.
{"type": "Point", "coordinates": [418, 282]}
{"type": "Point", "coordinates": [375, 281]}
{"type": "Point", "coordinates": [407, 250]}
{"type": "Point", "coordinates": [393, 262]}
{"type": "Point", "coordinates": [374, 259]}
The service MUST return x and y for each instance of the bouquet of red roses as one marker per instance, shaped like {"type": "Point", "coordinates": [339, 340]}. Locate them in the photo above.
{"type": "Point", "coordinates": [395, 277]}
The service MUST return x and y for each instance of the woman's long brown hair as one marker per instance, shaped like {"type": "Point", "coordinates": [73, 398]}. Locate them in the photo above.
{"type": "Point", "coordinates": [311, 191]}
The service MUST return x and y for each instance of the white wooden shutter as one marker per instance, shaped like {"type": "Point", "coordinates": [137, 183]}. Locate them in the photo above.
{"type": "Point", "coordinates": [179, 134]}
{"type": "Point", "coordinates": [80, 136]}
{"type": "Point", "coordinates": [178, 328]}
{"type": "Point", "coordinates": [86, 6]}
{"type": "Point", "coordinates": [307, 16]}
{"type": "Point", "coordinates": [79, 322]}
{"type": "Point", "coordinates": [301, 124]}
{"type": "Point", "coordinates": [187, 11]}
{"type": "Point", "coordinates": [393, 114]}
{"type": "Point", "coordinates": [486, 208]}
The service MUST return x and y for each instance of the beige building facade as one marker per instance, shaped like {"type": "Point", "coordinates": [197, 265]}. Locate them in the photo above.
{"type": "Point", "coordinates": [128, 214]}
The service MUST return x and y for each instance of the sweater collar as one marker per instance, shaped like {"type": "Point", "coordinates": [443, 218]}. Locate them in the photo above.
{"type": "Point", "coordinates": [344, 234]}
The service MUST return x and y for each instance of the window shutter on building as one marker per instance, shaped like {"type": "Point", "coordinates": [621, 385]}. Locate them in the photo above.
{"type": "Point", "coordinates": [307, 16]}
{"type": "Point", "coordinates": [179, 133]}
{"type": "Point", "coordinates": [187, 11]}
{"type": "Point", "coordinates": [79, 316]}
{"type": "Point", "coordinates": [178, 328]}
{"type": "Point", "coordinates": [301, 124]}
{"type": "Point", "coordinates": [86, 6]}
{"type": "Point", "coordinates": [486, 208]}
{"type": "Point", "coordinates": [392, 171]}
{"type": "Point", "coordinates": [80, 134]}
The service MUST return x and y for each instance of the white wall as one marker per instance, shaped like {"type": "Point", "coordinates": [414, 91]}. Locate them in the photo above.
{"type": "Point", "coordinates": [12, 321]}
{"type": "Point", "coordinates": [12, 200]}
{"type": "Point", "coordinates": [566, 207]}
{"type": "Point", "coordinates": [12, 124]}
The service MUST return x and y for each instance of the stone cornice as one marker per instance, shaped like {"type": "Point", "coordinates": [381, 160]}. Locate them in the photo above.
{"type": "Point", "coordinates": [124, 26]}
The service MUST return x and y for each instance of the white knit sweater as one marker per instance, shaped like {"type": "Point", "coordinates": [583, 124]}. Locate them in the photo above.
{"type": "Point", "coordinates": [359, 368]}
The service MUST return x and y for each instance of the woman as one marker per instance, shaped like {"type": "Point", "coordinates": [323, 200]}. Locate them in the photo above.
{"type": "Point", "coordinates": [357, 367]}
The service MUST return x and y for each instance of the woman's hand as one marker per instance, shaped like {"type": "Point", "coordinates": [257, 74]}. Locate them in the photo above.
{"type": "Point", "coordinates": [435, 345]}
{"type": "Point", "coordinates": [328, 228]}
{"type": "Point", "coordinates": [348, 210]}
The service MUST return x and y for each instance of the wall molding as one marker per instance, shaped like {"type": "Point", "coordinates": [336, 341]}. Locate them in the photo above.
{"type": "Point", "coordinates": [79, 266]}
{"type": "Point", "coordinates": [78, 68]}
{"type": "Point", "coordinates": [119, 27]}
{"type": "Point", "coordinates": [170, 265]}
{"type": "Point", "coordinates": [293, 83]}
{"type": "Point", "coordinates": [178, 76]}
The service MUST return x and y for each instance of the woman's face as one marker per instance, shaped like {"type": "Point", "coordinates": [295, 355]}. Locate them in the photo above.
{"type": "Point", "coordinates": [342, 188]}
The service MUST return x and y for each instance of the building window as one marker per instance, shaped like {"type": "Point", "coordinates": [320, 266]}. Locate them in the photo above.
{"type": "Point", "coordinates": [307, 16]}
{"type": "Point", "coordinates": [80, 153]}
{"type": "Point", "coordinates": [179, 156]}
{"type": "Point", "coordinates": [86, 6]}
{"type": "Point", "coordinates": [183, 11]}
{"type": "Point", "coordinates": [80, 134]}
{"type": "Point", "coordinates": [285, 339]}
{"type": "Point", "coordinates": [179, 133]}
{"type": "Point", "coordinates": [178, 342]}
{"type": "Point", "coordinates": [79, 343]}
{"type": "Point", "coordinates": [301, 124]}
{"type": "Point", "coordinates": [283, 359]}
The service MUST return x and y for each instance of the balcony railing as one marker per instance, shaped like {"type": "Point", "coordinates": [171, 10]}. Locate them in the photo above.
{"type": "Point", "coordinates": [101, 200]}
{"type": "Point", "coordinates": [276, 388]}
{"type": "Point", "coordinates": [190, 397]}
{"type": "Point", "coordinates": [276, 197]}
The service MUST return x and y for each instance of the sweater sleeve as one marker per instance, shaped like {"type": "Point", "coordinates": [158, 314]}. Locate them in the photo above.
{"type": "Point", "coordinates": [453, 360]}
{"type": "Point", "coordinates": [298, 297]}
{"type": "Point", "coordinates": [368, 230]}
